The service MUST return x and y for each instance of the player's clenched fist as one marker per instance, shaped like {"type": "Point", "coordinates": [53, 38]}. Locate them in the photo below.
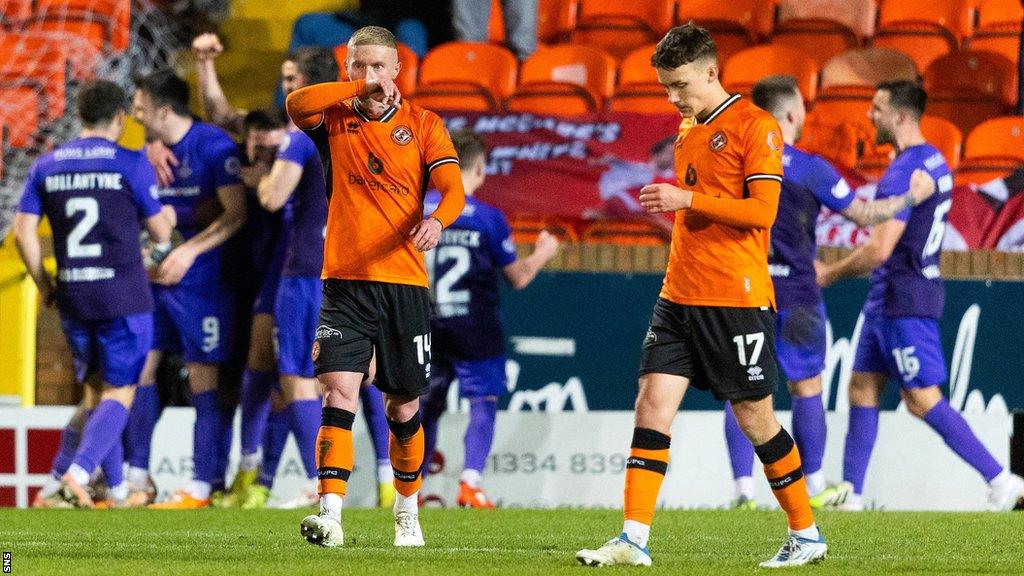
{"type": "Point", "coordinates": [383, 90]}
{"type": "Point", "coordinates": [922, 186]}
{"type": "Point", "coordinates": [426, 234]}
{"type": "Point", "coordinates": [657, 198]}
{"type": "Point", "coordinates": [547, 244]}
{"type": "Point", "coordinates": [206, 46]}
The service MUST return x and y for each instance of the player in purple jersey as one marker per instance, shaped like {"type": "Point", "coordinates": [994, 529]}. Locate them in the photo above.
{"type": "Point", "coordinates": [96, 196]}
{"type": "Point", "coordinates": [193, 307]}
{"type": "Point", "coordinates": [809, 182]}
{"type": "Point", "coordinates": [466, 336]}
{"type": "Point", "coordinates": [900, 333]}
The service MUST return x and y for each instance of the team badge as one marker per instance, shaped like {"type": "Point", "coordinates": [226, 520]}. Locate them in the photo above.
{"type": "Point", "coordinates": [774, 142]}
{"type": "Point", "coordinates": [402, 135]}
{"type": "Point", "coordinates": [718, 141]}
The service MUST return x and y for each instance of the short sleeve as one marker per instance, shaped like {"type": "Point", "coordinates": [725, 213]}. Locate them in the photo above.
{"type": "Point", "coordinates": [503, 249]}
{"type": "Point", "coordinates": [438, 148]}
{"type": "Point", "coordinates": [224, 162]}
{"type": "Point", "coordinates": [144, 187]}
{"type": "Point", "coordinates": [296, 147]}
{"type": "Point", "coordinates": [827, 185]}
{"type": "Point", "coordinates": [762, 150]}
{"type": "Point", "coordinates": [31, 202]}
{"type": "Point", "coordinates": [895, 182]}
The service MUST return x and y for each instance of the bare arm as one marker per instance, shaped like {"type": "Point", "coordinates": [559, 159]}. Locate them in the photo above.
{"type": "Point", "coordinates": [26, 239]}
{"type": "Point", "coordinates": [275, 188]}
{"type": "Point", "coordinates": [161, 224]}
{"type": "Point", "coordinates": [865, 257]}
{"type": "Point", "coordinates": [216, 109]}
{"type": "Point", "coordinates": [178, 262]}
{"type": "Point", "coordinates": [922, 186]}
{"type": "Point", "coordinates": [521, 272]}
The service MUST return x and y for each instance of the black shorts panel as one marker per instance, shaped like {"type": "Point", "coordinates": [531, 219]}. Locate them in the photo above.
{"type": "Point", "coordinates": [729, 351]}
{"type": "Point", "coordinates": [359, 316]}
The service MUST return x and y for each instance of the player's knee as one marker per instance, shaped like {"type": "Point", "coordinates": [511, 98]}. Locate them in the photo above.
{"type": "Point", "coordinates": [805, 388]}
{"type": "Point", "coordinates": [401, 408]}
{"type": "Point", "coordinates": [341, 389]}
{"type": "Point", "coordinates": [123, 395]}
{"type": "Point", "coordinates": [920, 401]}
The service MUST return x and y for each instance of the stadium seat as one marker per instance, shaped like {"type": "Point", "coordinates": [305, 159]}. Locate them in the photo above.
{"type": "Point", "coordinates": [526, 228]}
{"type": "Point", "coordinates": [410, 62]}
{"type": "Point", "coordinates": [619, 27]}
{"type": "Point", "coordinates": [819, 39]}
{"type": "Point", "coordinates": [628, 232]}
{"type": "Point", "coordinates": [982, 170]}
{"type": "Point", "coordinates": [998, 29]}
{"type": "Point", "coordinates": [866, 67]}
{"type": "Point", "coordinates": [466, 76]}
{"type": "Point", "coordinates": [855, 15]}
{"type": "Point", "coordinates": [746, 67]}
{"type": "Point", "coordinates": [924, 29]}
{"type": "Point", "coordinates": [836, 142]}
{"type": "Point", "coordinates": [44, 71]}
{"type": "Point", "coordinates": [968, 87]}
{"type": "Point", "coordinates": [555, 20]}
{"type": "Point", "coordinates": [638, 88]}
{"type": "Point", "coordinates": [999, 137]}
{"type": "Point", "coordinates": [564, 79]}
{"type": "Point", "coordinates": [82, 57]}
{"type": "Point", "coordinates": [744, 24]}
{"type": "Point", "coordinates": [22, 111]}
{"type": "Point", "coordinates": [12, 11]}
{"type": "Point", "coordinates": [105, 23]}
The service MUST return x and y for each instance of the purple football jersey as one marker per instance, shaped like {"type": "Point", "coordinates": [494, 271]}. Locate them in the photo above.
{"type": "Point", "coordinates": [207, 160]}
{"type": "Point", "coordinates": [465, 270]}
{"type": "Point", "coordinates": [96, 195]}
{"type": "Point", "coordinates": [808, 182]}
{"type": "Point", "coordinates": [306, 211]}
{"type": "Point", "coordinates": [909, 284]}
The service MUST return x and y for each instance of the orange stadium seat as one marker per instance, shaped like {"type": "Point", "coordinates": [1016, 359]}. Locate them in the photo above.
{"type": "Point", "coordinates": [526, 228]}
{"type": "Point", "coordinates": [857, 15]}
{"type": "Point", "coordinates": [838, 143]}
{"type": "Point", "coordinates": [619, 27]}
{"type": "Point", "coordinates": [739, 27]}
{"type": "Point", "coordinates": [746, 67]}
{"type": "Point", "coordinates": [998, 31]}
{"type": "Point", "coordinates": [564, 79]}
{"type": "Point", "coordinates": [866, 67]}
{"type": "Point", "coordinates": [999, 138]}
{"type": "Point", "coordinates": [80, 55]}
{"type": "Point", "coordinates": [555, 20]}
{"type": "Point", "coordinates": [22, 113]}
{"type": "Point", "coordinates": [466, 76]}
{"type": "Point", "coordinates": [406, 57]}
{"type": "Point", "coordinates": [629, 232]}
{"type": "Point", "coordinates": [924, 29]}
{"type": "Point", "coordinates": [968, 87]}
{"type": "Point", "coordinates": [106, 23]}
{"type": "Point", "coordinates": [982, 170]}
{"type": "Point", "coordinates": [12, 11]}
{"type": "Point", "coordinates": [638, 89]}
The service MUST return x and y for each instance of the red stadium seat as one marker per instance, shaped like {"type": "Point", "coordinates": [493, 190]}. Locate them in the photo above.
{"type": "Point", "coordinates": [410, 62]}
{"type": "Point", "coordinates": [564, 79]}
{"type": "Point", "coordinates": [997, 138]}
{"type": "Point", "coordinates": [747, 67]}
{"type": "Point", "coordinates": [619, 27]}
{"type": "Point", "coordinates": [970, 87]}
{"type": "Point", "coordinates": [466, 76]}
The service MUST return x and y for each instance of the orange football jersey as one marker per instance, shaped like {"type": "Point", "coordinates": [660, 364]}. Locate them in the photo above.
{"type": "Point", "coordinates": [377, 171]}
{"type": "Point", "coordinates": [713, 264]}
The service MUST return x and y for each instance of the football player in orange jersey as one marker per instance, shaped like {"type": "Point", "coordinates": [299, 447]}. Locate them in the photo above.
{"type": "Point", "coordinates": [714, 321]}
{"type": "Point", "coordinates": [379, 153]}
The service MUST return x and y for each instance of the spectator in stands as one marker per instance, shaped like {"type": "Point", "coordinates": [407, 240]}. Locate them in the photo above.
{"type": "Point", "coordinates": [471, 18]}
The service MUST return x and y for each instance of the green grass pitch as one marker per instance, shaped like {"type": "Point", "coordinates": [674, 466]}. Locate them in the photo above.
{"type": "Point", "coordinates": [471, 542]}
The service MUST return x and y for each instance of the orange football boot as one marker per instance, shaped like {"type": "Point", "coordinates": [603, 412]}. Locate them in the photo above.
{"type": "Point", "coordinates": [470, 497]}
{"type": "Point", "coordinates": [181, 500]}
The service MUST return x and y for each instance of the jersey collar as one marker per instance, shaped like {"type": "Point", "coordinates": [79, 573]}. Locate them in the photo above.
{"type": "Point", "coordinates": [386, 116]}
{"type": "Point", "coordinates": [721, 108]}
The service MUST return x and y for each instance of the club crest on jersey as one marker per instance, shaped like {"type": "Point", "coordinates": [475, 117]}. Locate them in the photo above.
{"type": "Point", "coordinates": [376, 165]}
{"type": "Point", "coordinates": [402, 135]}
{"type": "Point", "coordinates": [718, 141]}
{"type": "Point", "coordinates": [691, 175]}
{"type": "Point", "coordinates": [774, 142]}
